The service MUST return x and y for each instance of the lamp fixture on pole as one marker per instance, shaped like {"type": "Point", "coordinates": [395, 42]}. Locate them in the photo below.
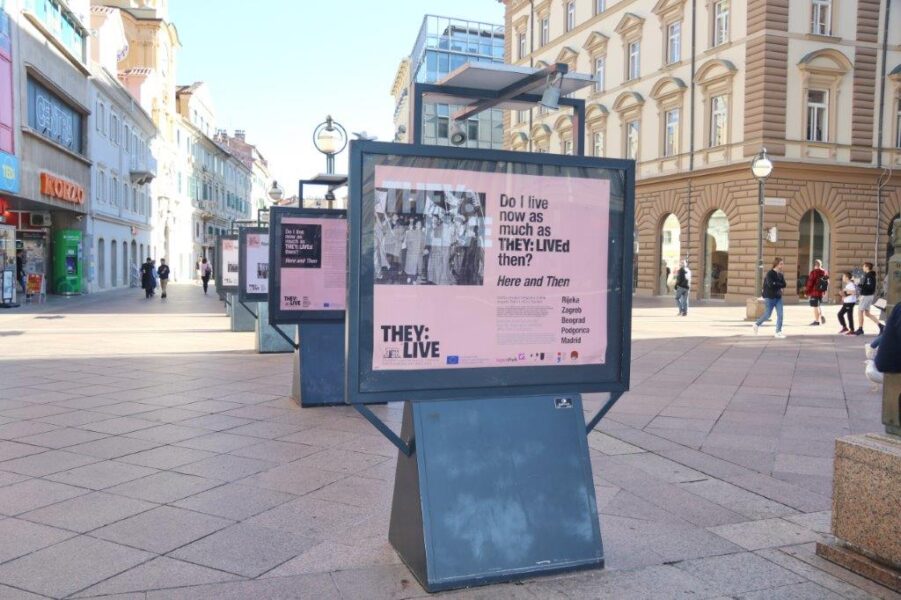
{"type": "Point", "coordinates": [330, 138]}
{"type": "Point", "coordinates": [276, 192]}
{"type": "Point", "coordinates": [550, 99]}
{"type": "Point", "coordinates": [761, 167]}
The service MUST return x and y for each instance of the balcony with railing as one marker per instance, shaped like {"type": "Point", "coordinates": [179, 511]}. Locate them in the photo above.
{"type": "Point", "coordinates": [143, 170]}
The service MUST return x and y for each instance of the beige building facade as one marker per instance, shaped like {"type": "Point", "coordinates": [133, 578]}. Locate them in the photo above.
{"type": "Point", "coordinates": [693, 95]}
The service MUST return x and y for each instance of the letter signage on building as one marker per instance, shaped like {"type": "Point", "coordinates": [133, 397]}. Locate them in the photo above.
{"type": "Point", "coordinates": [62, 189]}
{"type": "Point", "coordinates": [487, 270]}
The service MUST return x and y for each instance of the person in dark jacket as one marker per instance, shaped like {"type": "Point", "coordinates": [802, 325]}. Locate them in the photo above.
{"type": "Point", "coordinates": [866, 298]}
{"type": "Point", "coordinates": [683, 285]}
{"type": "Point", "coordinates": [20, 269]}
{"type": "Point", "coordinates": [206, 270]}
{"type": "Point", "coordinates": [813, 291]}
{"type": "Point", "coordinates": [147, 278]}
{"type": "Point", "coordinates": [888, 355]}
{"type": "Point", "coordinates": [163, 273]}
{"type": "Point", "coordinates": [773, 284]}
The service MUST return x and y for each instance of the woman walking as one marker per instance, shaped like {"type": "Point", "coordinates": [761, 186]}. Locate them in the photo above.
{"type": "Point", "coordinates": [773, 284]}
{"type": "Point", "coordinates": [206, 270]}
{"type": "Point", "coordinates": [848, 297]}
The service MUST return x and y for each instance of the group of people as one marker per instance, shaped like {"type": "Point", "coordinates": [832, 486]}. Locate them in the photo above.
{"type": "Point", "coordinates": [853, 293]}
{"type": "Point", "coordinates": [151, 274]}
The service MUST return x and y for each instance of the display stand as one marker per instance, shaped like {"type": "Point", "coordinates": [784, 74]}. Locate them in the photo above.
{"type": "Point", "coordinates": [242, 319]}
{"type": "Point", "coordinates": [321, 363]}
{"type": "Point", "coordinates": [272, 339]}
{"type": "Point", "coordinates": [518, 497]}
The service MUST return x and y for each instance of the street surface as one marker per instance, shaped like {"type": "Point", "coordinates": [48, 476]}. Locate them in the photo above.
{"type": "Point", "coordinates": [146, 452]}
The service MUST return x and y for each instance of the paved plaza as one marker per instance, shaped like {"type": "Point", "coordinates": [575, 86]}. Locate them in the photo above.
{"type": "Point", "coordinates": [146, 452]}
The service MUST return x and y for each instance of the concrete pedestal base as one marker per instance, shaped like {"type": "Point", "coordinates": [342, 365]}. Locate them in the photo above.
{"type": "Point", "coordinates": [754, 308]}
{"type": "Point", "coordinates": [268, 340]}
{"type": "Point", "coordinates": [866, 518]}
{"type": "Point", "coordinates": [241, 318]}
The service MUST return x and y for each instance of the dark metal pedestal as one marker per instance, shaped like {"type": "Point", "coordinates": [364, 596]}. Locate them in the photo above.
{"type": "Point", "coordinates": [494, 490]}
{"type": "Point", "coordinates": [321, 363]}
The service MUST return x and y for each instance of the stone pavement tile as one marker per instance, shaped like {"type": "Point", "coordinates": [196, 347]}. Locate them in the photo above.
{"type": "Point", "coordinates": [783, 492]}
{"type": "Point", "coordinates": [804, 412]}
{"type": "Point", "coordinates": [8, 593]}
{"type": "Point", "coordinates": [626, 504]}
{"type": "Point", "coordinates": [18, 429]}
{"type": "Point", "coordinates": [699, 425]}
{"type": "Point", "coordinates": [62, 438]}
{"type": "Point", "coordinates": [752, 506]}
{"type": "Point", "coordinates": [161, 529]}
{"type": "Point", "coordinates": [636, 437]}
{"type": "Point", "coordinates": [158, 574]}
{"type": "Point", "coordinates": [219, 442]}
{"type": "Point", "coordinates": [34, 493]}
{"type": "Point", "coordinates": [387, 582]}
{"type": "Point", "coordinates": [170, 415]}
{"type": "Point", "coordinates": [164, 487]}
{"type": "Point", "coordinates": [328, 556]}
{"type": "Point", "coordinates": [318, 586]}
{"type": "Point", "coordinates": [18, 537]}
{"type": "Point", "coordinates": [680, 411]}
{"type": "Point", "coordinates": [125, 409]}
{"type": "Point", "coordinates": [235, 501]}
{"type": "Point", "coordinates": [112, 447]}
{"type": "Point", "coordinates": [760, 461]}
{"type": "Point", "coordinates": [33, 411]}
{"type": "Point", "coordinates": [11, 450]}
{"type": "Point", "coordinates": [822, 448]}
{"type": "Point", "coordinates": [101, 475]}
{"type": "Point", "coordinates": [166, 457]}
{"type": "Point", "coordinates": [734, 574]}
{"type": "Point", "coordinates": [661, 468]}
{"type": "Point", "coordinates": [70, 566]}
{"type": "Point", "coordinates": [311, 518]}
{"type": "Point", "coordinates": [797, 591]}
{"type": "Point", "coordinates": [85, 513]}
{"type": "Point", "coordinates": [119, 425]}
{"type": "Point", "coordinates": [322, 437]}
{"type": "Point", "coordinates": [245, 549]}
{"type": "Point", "coordinates": [657, 582]}
{"type": "Point", "coordinates": [768, 533]}
{"type": "Point", "coordinates": [357, 491]}
{"type": "Point", "coordinates": [211, 406]}
{"type": "Point", "coordinates": [225, 467]}
{"type": "Point", "coordinates": [821, 521]}
{"type": "Point", "coordinates": [168, 433]}
{"type": "Point", "coordinates": [89, 402]}
{"type": "Point", "coordinates": [274, 450]}
{"type": "Point", "coordinates": [74, 418]}
{"type": "Point", "coordinates": [820, 484]}
{"type": "Point", "coordinates": [294, 478]}
{"type": "Point", "coordinates": [341, 461]}
{"type": "Point", "coordinates": [683, 437]}
{"type": "Point", "coordinates": [609, 445]}
{"type": "Point", "coordinates": [253, 397]}
{"type": "Point", "coordinates": [266, 429]}
{"type": "Point", "coordinates": [259, 413]}
{"type": "Point", "coordinates": [671, 540]}
{"type": "Point", "coordinates": [215, 422]}
{"type": "Point", "coordinates": [803, 465]}
{"type": "Point", "coordinates": [385, 471]}
{"type": "Point", "coordinates": [11, 478]}
{"type": "Point", "coordinates": [804, 561]}
{"type": "Point", "coordinates": [46, 463]}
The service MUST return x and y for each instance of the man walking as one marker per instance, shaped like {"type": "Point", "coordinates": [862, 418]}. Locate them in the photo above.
{"type": "Point", "coordinates": [773, 284]}
{"type": "Point", "coordinates": [147, 278]}
{"type": "Point", "coordinates": [867, 297]}
{"type": "Point", "coordinates": [20, 270]}
{"type": "Point", "coordinates": [817, 284]}
{"type": "Point", "coordinates": [683, 285]}
{"type": "Point", "coordinates": [163, 272]}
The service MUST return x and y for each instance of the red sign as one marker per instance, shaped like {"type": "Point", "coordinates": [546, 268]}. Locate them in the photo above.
{"type": "Point", "coordinates": [33, 283]}
{"type": "Point", "coordinates": [57, 187]}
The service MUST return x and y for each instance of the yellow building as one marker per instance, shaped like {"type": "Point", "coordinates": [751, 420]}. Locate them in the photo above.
{"type": "Point", "coordinates": [693, 95]}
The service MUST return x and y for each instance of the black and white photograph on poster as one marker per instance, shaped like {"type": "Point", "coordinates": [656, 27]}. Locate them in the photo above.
{"type": "Point", "coordinates": [429, 237]}
{"type": "Point", "coordinates": [302, 245]}
{"type": "Point", "coordinates": [232, 268]}
{"type": "Point", "coordinates": [263, 270]}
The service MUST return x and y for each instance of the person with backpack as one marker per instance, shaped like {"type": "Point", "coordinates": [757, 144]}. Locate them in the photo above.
{"type": "Point", "coordinates": [848, 296]}
{"type": "Point", "coordinates": [773, 284]}
{"type": "Point", "coordinates": [817, 285]}
{"type": "Point", "coordinates": [867, 297]}
{"type": "Point", "coordinates": [163, 273]}
{"type": "Point", "coordinates": [206, 271]}
{"type": "Point", "coordinates": [683, 285]}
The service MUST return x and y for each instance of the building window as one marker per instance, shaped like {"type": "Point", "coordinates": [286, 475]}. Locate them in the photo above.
{"type": "Point", "coordinates": [633, 131]}
{"type": "Point", "coordinates": [674, 42]}
{"type": "Point", "coordinates": [114, 128]}
{"type": "Point", "coordinates": [570, 15]}
{"type": "Point", "coordinates": [599, 66]}
{"type": "Point", "coordinates": [50, 117]}
{"type": "Point", "coordinates": [597, 143]}
{"type": "Point", "coordinates": [821, 17]}
{"type": "Point", "coordinates": [443, 122]}
{"type": "Point", "coordinates": [634, 58]}
{"type": "Point", "coordinates": [127, 139]}
{"type": "Point", "coordinates": [600, 6]}
{"type": "Point", "coordinates": [545, 31]}
{"type": "Point", "coordinates": [721, 22]}
{"type": "Point", "coordinates": [671, 133]}
{"type": "Point", "coordinates": [817, 107]}
{"type": "Point", "coordinates": [61, 24]}
{"type": "Point", "coordinates": [101, 185]}
{"type": "Point", "coordinates": [898, 126]}
{"type": "Point", "coordinates": [521, 40]}
{"type": "Point", "coordinates": [568, 147]}
{"type": "Point", "coordinates": [472, 130]}
{"type": "Point", "coordinates": [719, 113]}
{"type": "Point", "coordinates": [114, 191]}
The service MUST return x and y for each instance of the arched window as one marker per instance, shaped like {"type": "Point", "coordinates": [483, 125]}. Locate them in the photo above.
{"type": "Point", "coordinates": [114, 264]}
{"type": "Point", "coordinates": [101, 263]}
{"type": "Point", "coordinates": [716, 256]}
{"type": "Point", "coordinates": [670, 253]}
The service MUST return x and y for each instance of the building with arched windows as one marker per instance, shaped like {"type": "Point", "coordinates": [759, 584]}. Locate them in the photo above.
{"type": "Point", "coordinates": [693, 90]}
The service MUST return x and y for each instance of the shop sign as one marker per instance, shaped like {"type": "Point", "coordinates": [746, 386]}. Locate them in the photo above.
{"type": "Point", "coordinates": [57, 187]}
{"type": "Point", "coordinates": [9, 173]}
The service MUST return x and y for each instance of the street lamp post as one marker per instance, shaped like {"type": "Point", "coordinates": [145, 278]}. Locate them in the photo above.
{"type": "Point", "coordinates": [761, 167]}
{"type": "Point", "coordinates": [276, 192]}
{"type": "Point", "coordinates": [330, 138]}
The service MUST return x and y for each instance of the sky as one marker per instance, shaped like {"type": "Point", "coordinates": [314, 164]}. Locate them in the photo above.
{"type": "Point", "coordinates": [276, 68]}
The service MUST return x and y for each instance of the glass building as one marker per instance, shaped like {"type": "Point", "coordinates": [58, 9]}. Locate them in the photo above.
{"type": "Point", "coordinates": [444, 45]}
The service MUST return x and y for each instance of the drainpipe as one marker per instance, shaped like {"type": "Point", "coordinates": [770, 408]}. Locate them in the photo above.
{"type": "Point", "coordinates": [884, 173]}
{"type": "Point", "coordinates": [691, 121]}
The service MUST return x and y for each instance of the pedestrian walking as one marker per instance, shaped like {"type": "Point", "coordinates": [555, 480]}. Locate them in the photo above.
{"type": "Point", "coordinates": [147, 278]}
{"type": "Point", "coordinates": [163, 273]}
{"type": "Point", "coordinates": [773, 284]}
{"type": "Point", "coordinates": [848, 296]}
{"type": "Point", "coordinates": [867, 297]}
{"type": "Point", "coordinates": [20, 270]}
{"type": "Point", "coordinates": [683, 285]}
{"type": "Point", "coordinates": [206, 270]}
{"type": "Point", "coordinates": [155, 277]}
{"type": "Point", "coordinates": [817, 284]}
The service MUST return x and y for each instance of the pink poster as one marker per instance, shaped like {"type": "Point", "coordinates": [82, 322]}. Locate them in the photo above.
{"type": "Point", "coordinates": [313, 264]}
{"type": "Point", "coordinates": [229, 258]}
{"type": "Point", "coordinates": [488, 270]}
